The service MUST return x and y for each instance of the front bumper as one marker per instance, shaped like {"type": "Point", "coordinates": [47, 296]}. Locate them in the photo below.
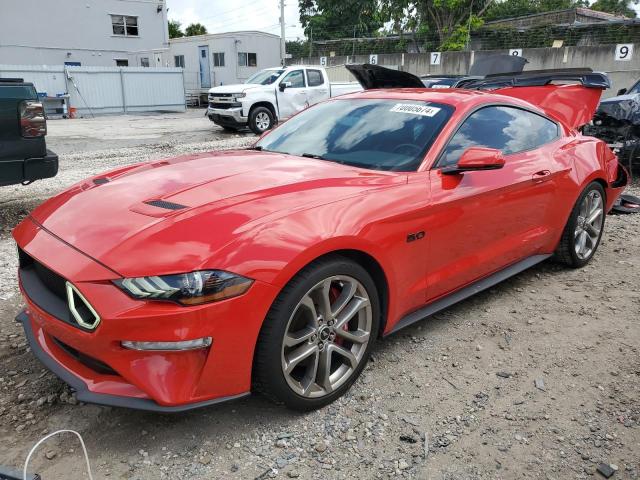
{"type": "Point", "coordinates": [227, 116]}
{"type": "Point", "coordinates": [38, 343]}
{"type": "Point", "coordinates": [28, 170]}
{"type": "Point", "coordinates": [95, 363]}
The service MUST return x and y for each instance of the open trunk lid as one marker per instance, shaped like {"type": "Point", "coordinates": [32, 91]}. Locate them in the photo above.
{"type": "Point", "coordinates": [570, 95]}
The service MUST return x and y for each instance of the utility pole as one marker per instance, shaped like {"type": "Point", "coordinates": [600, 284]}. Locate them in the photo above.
{"type": "Point", "coordinates": [283, 45]}
{"type": "Point", "coordinates": [310, 42]}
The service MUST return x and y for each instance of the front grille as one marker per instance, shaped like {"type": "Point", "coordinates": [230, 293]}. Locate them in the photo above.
{"type": "Point", "coordinates": [224, 105]}
{"type": "Point", "coordinates": [48, 291]}
{"type": "Point", "coordinates": [90, 362]}
{"type": "Point", "coordinates": [50, 279]}
{"type": "Point", "coordinates": [221, 95]}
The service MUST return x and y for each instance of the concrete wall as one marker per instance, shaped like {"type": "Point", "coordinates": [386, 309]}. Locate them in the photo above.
{"type": "Point", "coordinates": [51, 32]}
{"type": "Point", "coordinates": [264, 45]}
{"type": "Point", "coordinates": [602, 59]}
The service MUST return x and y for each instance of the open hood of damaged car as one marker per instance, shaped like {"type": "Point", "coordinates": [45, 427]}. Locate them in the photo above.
{"type": "Point", "coordinates": [624, 108]}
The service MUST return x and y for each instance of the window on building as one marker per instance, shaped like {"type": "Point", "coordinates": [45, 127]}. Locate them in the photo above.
{"type": "Point", "coordinates": [144, 61]}
{"type": "Point", "coordinates": [510, 130]}
{"type": "Point", "coordinates": [178, 61]}
{"type": "Point", "coordinates": [218, 59]}
{"type": "Point", "coordinates": [247, 59]}
{"type": "Point", "coordinates": [122, 62]}
{"type": "Point", "coordinates": [124, 25]}
{"type": "Point", "coordinates": [314, 78]}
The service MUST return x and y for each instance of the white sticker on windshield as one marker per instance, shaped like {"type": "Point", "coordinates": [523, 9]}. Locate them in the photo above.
{"type": "Point", "coordinates": [414, 109]}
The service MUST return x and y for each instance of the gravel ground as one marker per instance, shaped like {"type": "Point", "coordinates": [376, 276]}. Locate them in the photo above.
{"type": "Point", "coordinates": [538, 377]}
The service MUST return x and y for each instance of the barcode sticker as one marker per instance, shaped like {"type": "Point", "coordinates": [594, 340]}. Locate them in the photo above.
{"type": "Point", "coordinates": [414, 109]}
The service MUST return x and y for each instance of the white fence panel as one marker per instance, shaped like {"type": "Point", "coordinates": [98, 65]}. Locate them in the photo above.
{"type": "Point", "coordinates": [164, 90]}
{"type": "Point", "coordinates": [104, 90]}
{"type": "Point", "coordinates": [47, 78]}
{"type": "Point", "coordinates": [96, 90]}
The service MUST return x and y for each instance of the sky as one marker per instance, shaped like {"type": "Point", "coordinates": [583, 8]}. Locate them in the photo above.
{"type": "Point", "coordinates": [226, 16]}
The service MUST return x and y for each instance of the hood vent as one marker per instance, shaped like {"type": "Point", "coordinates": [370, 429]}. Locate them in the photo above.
{"type": "Point", "coordinates": [166, 205]}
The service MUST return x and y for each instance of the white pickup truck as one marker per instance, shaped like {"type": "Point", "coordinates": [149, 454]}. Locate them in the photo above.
{"type": "Point", "coordinates": [271, 95]}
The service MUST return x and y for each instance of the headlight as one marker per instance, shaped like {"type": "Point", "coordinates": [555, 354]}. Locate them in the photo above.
{"type": "Point", "coordinates": [240, 95]}
{"type": "Point", "coordinates": [192, 288]}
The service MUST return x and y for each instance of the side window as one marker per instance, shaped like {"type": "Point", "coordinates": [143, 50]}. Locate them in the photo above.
{"type": "Point", "coordinates": [508, 129]}
{"type": "Point", "coordinates": [296, 78]}
{"type": "Point", "coordinates": [314, 78]}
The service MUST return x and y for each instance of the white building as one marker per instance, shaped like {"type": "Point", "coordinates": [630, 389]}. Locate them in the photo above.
{"type": "Point", "coordinates": [223, 58]}
{"type": "Point", "coordinates": [84, 32]}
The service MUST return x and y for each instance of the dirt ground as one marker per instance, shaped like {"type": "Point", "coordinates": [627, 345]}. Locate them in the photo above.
{"type": "Point", "coordinates": [536, 378]}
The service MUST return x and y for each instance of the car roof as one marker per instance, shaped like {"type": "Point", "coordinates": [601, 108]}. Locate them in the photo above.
{"type": "Point", "coordinates": [456, 97]}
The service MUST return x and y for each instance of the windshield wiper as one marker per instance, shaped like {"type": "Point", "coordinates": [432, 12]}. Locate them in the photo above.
{"type": "Point", "coordinates": [313, 155]}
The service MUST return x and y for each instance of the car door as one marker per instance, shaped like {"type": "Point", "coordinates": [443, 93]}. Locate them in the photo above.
{"type": "Point", "coordinates": [317, 86]}
{"type": "Point", "coordinates": [292, 93]}
{"type": "Point", "coordinates": [482, 221]}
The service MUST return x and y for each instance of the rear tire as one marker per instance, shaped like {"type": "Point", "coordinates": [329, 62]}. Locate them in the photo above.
{"type": "Point", "coordinates": [261, 119]}
{"type": "Point", "coordinates": [312, 346]}
{"type": "Point", "coordinates": [582, 234]}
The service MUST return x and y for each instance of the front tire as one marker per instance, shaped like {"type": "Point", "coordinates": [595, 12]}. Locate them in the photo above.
{"type": "Point", "coordinates": [582, 234]}
{"type": "Point", "coordinates": [261, 119]}
{"type": "Point", "coordinates": [318, 334]}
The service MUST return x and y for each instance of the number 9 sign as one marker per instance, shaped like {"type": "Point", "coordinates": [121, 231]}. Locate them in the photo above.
{"type": "Point", "coordinates": [624, 52]}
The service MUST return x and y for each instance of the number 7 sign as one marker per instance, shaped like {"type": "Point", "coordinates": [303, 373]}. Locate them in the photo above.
{"type": "Point", "coordinates": [435, 58]}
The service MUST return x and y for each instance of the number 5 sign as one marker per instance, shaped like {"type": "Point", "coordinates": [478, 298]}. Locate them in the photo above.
{"type": "Point", "coordinates": [624, 52]}
{"type": "Point", "coordinates": [435, 58]}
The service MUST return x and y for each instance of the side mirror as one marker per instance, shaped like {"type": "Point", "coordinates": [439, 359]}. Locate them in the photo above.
{"type": "Point", "coordinates": [476, 158]}
{"type": "Point", "coordinates": [622, 91]}
{"type": "Point", "coordinates": [284, 85]}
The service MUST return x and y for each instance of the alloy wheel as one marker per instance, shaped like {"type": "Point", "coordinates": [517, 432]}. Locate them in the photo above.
{"type": "Point", "coordinates": [589, 224]}
{"type": "Point", "coordinates": [326, 336]}
{"type": "Point", "coordinates": [263, 121]}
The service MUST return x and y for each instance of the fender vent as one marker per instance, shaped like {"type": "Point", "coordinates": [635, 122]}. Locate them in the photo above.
{"type": "Point", "coordinates": [166, 205]}
{"type": "Point", "coordinates": [100, 181]}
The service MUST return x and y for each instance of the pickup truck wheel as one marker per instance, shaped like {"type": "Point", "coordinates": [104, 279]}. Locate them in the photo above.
{"type": "Point", "coordinates": [260, 120]}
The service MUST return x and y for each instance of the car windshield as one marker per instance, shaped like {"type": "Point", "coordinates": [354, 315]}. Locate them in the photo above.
{"type": "Point", "coordinates": [375, 134]}
{"type": "Point", "coordinates": [265, 77]}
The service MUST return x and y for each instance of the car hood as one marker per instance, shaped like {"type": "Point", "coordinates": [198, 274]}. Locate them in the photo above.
{"type": "Point", "coordinates": [622, 107]}
{"type": "Point", "coordinates": [179, 212]}
{"type": "Point", "coordinates": [234, 88]}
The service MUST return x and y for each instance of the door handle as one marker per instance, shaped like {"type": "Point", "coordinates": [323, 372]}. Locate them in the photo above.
{"type": "Point", "coordinates": [541, 176]}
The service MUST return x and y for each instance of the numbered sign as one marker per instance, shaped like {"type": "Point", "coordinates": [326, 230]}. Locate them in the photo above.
{"type": "Point", "coordinates": [624, 52]}
{"type": "Point", "coordinates": [435, 58]}
{"type": "Point", "coordinates": [515, 52]}
{"type": "Point", "coordinates": [373, 59]}
{"type": "Point", "coordinates": [323, 61]}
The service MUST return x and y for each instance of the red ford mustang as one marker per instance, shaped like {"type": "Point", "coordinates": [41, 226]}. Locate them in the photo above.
{"type": "Point", "coordinates": [180, 283]}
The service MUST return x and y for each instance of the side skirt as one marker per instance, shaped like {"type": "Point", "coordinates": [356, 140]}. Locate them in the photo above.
{"type": "Point", "coordinates": [468, 291]}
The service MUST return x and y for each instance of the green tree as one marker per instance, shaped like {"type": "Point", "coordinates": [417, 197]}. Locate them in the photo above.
{"type": "Point", "coordinates": [195, 29]}
{"type": "Point", "coordinates": [618, 7]}
{"type": "Point", "coordinates": [174, 29]}
{"type": "Point", "coordinates": [298, 48]}
{"type": "Point", "coordinates": [330, 19]}
{"type": "Point", "coordinates": [445, 18]}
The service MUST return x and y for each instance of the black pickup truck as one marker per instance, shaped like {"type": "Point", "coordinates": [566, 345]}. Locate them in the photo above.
{"type": "Point", "coordinates": [23, 152]}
